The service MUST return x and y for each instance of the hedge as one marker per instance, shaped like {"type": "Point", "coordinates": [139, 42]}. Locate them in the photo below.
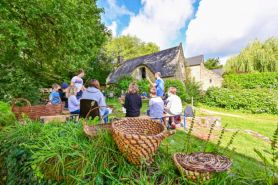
{"type": "Point", "coordinates": [251, 80]}
{"type": "Point", "coordinates": [248, 100]}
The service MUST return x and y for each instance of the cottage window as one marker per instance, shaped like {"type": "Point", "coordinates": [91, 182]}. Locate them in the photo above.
{"type": "Point", "coordinates": [210, 80]}
{"type": "Point", "coordinates": [143, 72]}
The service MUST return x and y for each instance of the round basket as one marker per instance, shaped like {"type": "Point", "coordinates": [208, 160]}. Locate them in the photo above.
{"type": "Point", "coordinates": [200, 165]}
{"type": "Point", "coordinates": [139, 138]}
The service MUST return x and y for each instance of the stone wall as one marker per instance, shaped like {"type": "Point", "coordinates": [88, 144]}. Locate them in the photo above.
{"type": "Point", "coordinates": [206, 77]}
{"type": "Point", "coordinates": [209, 78]}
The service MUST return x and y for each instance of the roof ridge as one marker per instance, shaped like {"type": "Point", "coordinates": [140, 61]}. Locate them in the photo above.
{"type": "Point", "coordinates": [149, 54]}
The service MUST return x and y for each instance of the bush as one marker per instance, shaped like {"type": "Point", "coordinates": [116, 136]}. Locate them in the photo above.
{"type": "Point", "coordinates": [144, 86]}
{"type": "Point", "coordinates": [180, 88]}
{"type": "Point", "coordinates": [249, 100]}
{"type": "Point", "coordinates": [193, 90]}
{"type": "Point", "coordinates": [7, 117]}
{"type": "Point", "coordinates": [251, 80]}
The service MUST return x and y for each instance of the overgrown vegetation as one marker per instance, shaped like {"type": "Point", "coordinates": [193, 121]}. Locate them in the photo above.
{"type": "Point", "coordinates": [257, 56]}
{"type": "Point", "coordinates": [247, 100]}
{"type": "Point", "coordinates": [251, 80]}
{"type": "Point", "coordinates": [6, 115]}
{"type": "Point", "coordinates": [213, 63]}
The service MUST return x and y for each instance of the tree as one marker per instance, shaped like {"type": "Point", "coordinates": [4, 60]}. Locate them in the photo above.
{"type": "Point", "coordinates": [47, 40]}
{"type": "Point", "coordinates": [129, 47]}
{"type": "Point", "coordinates": [213, 63]}
{"type": "Point", "coordinates": [256, 57]}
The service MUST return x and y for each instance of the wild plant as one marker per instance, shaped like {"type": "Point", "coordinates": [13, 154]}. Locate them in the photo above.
{"type": "Point", "coordinates": [187, 144]}
{"type": "Point", "coordinates": [209, 135]}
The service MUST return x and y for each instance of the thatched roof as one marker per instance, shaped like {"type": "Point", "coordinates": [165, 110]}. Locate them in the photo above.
{"type": "Point", "coordinates": [164, 61]}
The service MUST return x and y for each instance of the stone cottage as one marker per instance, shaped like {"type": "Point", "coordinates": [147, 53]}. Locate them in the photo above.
{"type": "Point", "coordinates": [172, 64]}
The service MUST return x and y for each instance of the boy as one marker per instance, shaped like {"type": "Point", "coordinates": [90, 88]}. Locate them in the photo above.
{"type": "Point", "coordinates": [54, 97]}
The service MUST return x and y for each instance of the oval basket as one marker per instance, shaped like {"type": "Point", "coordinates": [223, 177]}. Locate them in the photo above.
{"type": "Point", "coordinates": [139, 138]}
{"type": "Point", "coordinates": [201, 165]}
{"type": "Point", "coordinates": [35, 112]}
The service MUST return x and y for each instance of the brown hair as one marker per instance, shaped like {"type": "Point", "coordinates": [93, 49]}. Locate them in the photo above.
{"type": "Point", "coordinates": [94, 83]}
{"type": "Point", "coordinates": [55, 86]}
{"type": "Point", "coordinates": [133, 88]}
{"type": "Point", "coordinates": [173, 90]}
{"type": "Point", "coordinates": [80, 71]}
{"type": "Point", "coordinates": [153, 91]}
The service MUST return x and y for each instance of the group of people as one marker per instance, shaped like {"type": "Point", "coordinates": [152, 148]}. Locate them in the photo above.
{"type": "Point", "coordinates": [76, 91]}
{"type": "Point", "coordinates": [161, 104]}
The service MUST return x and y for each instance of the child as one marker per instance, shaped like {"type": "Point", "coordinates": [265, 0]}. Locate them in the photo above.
{"type": "Point", "coordinates": [77, 81]}
{"type": "Point", "coordinates": [54, 97]}
{"type": "Point", "coordinates": [62, 92]}
{"type": "Point", "coordinates": [73, 102]}
{"type": "Point", "coordinates": [156, 105]}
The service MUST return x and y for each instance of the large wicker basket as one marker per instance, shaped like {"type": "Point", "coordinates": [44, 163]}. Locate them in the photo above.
{"type": "Point", "coordinates": [200, 165]}
{"type": "Point", "coordinates": [139, 138]}
{"type": "Point", "coordinates": [35, 112]}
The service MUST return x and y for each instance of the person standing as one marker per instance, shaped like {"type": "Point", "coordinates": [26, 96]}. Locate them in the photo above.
{"type": "Point", "coordinates": [159, 84]}
{"type": "Point", "coordinates": [133, 101]}
{"type": "Point", "coordinates": [77, 81]}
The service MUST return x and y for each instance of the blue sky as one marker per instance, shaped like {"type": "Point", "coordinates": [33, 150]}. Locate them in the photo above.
{"type": "Point", "coordinates": [214, 28]}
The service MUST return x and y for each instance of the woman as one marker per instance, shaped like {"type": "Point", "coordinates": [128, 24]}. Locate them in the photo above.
{"type": "Point", "coordinates": [93, 93]}
{"type": "Point", "coordinates": [133, 101]}
{"type": "Point", "coordinates": [156, 105]}
{"type": "Point", "coordinates": [77, 81]}
{"type": "Point", "coordinates": [173, 106]}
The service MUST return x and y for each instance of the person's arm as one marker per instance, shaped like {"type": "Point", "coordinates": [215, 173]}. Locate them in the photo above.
{"type": "Point", "coordinates": [72, 82]}
{"type": "Point", "coordinates": [152, 84]}
{"type": "Point", "coordinates": [140, 101]}
{"type": "Point", "coordinates": [75, 101]}
{"type": "Point", "coordinates": [126, 101]}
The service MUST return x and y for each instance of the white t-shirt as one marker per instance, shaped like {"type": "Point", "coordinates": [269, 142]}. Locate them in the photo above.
{"type": "Point", "coordinates": [78, 82]}
{"type": "Point", "coordinates": [174, 104]}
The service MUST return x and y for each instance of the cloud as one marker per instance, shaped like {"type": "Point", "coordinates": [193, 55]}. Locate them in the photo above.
{"type": "Point", "coordinates": [160, 21]}
{"type": "Point", "coordinates": [223, 27]}
{"type": "Point", "coordinates": [113, 28]}
{"type": "Point", "coordinates": [113, 10]}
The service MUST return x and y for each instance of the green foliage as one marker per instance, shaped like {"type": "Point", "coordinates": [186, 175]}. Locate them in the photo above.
{"type": "Point", "coordinates": [185, 90]}
{"type": "Point", "coordinates": [252, 80]}
{"type": "Point", "coordinates": [249, 100]}
{"type": "Point", "coordinates": [257, 56]}
{"type": "Point", "coordinates": [46, 41]}
{"type": "Point", "coordinates": [179, 85]}
{"type": "Point", "coordinates": [213, 63]}
{"type": "Point", "coordinates": [193, 91]}
{"type": "Point", "coordinates": [144, 86]}
{"type": "Point", "coordinates": [129, 47]}
{"type": "Point", "coordinates": [7, 117]}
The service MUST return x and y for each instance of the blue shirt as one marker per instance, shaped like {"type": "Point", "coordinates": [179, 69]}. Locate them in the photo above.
{"type": "Point", "coordinates": [159, 84]}
{"type": "Point", "coordinates": [54, 98]}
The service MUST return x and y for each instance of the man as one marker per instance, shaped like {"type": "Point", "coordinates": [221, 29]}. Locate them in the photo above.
{"type": "Point", "coordinates": [159, 84]}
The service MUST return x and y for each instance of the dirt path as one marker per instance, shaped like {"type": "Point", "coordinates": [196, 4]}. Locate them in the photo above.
{"type": "Point", "coordinates": [210, 112]}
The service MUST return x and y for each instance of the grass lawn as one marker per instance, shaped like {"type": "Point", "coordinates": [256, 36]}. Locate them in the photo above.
{"type": "Point", "coordinates": [244, 143]}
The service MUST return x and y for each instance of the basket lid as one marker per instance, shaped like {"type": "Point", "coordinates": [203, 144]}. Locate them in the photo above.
{"type": "Point", "coordinates": [203, 162]}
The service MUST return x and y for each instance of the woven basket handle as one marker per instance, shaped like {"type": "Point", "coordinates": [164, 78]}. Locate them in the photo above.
{"type": "Point", "coordinates": [20, 99]}
{"type": "Point", "coordinates": [167, 133]}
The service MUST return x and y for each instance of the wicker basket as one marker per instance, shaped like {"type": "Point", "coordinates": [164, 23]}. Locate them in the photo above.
{"type": "Point", "coordinates": [200, 165]}
{"type": "Point", "coordinates": [35, 112]}
{"type": "Point", "coordinates": [91, 131]}
{"type": "Point", "coordinates": [139, 138]}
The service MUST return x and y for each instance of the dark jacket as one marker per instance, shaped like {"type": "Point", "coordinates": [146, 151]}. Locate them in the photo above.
{"type": "Point", "coordinates": [133, 103]}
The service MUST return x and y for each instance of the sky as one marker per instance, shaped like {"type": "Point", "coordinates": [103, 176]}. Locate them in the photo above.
{"type": "Point", "coordinates": [213, 28]}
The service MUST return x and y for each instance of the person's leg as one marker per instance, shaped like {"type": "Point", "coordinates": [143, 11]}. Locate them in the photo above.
{"type": "Point", "coordinates": [75, 112]}
{"type": "Point", "coordinates": [105, 116]}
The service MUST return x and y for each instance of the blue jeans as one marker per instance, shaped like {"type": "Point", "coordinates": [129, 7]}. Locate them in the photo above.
{"type": "Point", "coordinates": [75, 112]}
{"type": "Point", "coordinates": [105, 116]}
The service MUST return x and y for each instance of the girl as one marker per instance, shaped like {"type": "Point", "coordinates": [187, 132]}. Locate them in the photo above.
{"type": "Point", "coordinates": [133, 101]}
{"type": "Point", "coordinates": [73, 102]}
